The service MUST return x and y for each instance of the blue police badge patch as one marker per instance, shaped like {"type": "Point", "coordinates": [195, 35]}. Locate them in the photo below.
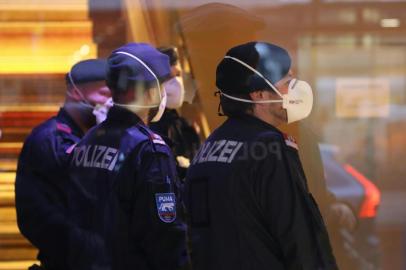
{"type": "Point", "coordinates": [166, 206]}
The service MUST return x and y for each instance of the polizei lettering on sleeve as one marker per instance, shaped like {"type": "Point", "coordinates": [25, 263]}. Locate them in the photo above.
{"type": "Point", "coordinates": [95, 156]}
{"type": "Point", "coordinates": [223, 151]}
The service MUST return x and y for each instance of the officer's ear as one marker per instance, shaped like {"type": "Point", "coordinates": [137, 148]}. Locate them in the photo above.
{"type": "Point", "coordinates": [258, 95]}
{"type": "Point", "coordinates": [73, 94]}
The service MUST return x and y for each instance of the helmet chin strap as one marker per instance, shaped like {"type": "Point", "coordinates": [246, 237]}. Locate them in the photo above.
{"type": "Point", "coordinates": [256, 72]}
{"type": "Point", "coordinates": [248, 100]}
{"type": "Point", "coordinates": [84, 101]}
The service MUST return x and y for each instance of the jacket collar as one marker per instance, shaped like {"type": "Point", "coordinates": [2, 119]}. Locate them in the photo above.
{"type": "Point", "coordinates": [64, 118]}
{"type": "Point", "coordinates": [124, 116]}
{"type": "Point", "coordinates": [255, 122]}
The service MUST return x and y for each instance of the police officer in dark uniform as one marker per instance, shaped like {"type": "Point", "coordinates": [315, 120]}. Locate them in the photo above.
{"type": "Point", "coordinates": [123, 178]}
{"type": "Point", "coordinates": [180, 135]}
{"type": "Point", "coordinates": [39, 188]}
{"type": "Point", "coordinates": [247, 194]}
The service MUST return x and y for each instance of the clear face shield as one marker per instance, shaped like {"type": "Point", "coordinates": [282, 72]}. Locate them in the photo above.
{"type": "Point", "coordinates": [153, 98]}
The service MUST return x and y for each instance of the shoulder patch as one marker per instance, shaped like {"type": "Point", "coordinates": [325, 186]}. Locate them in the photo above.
{"type": "Point", "coordinates": [290, 141]}
{"type": "Point", "coordinates": [157, 139]}
{"type": "Point", "coordinates": [166, 206]}
{"type": "Point", "coordinates": [70, 148]}
{"type": "Point", "coordinates": [63, 127]}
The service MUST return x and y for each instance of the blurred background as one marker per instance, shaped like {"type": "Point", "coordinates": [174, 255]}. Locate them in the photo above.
{"type": "Point", "coordinates": [353, 53]}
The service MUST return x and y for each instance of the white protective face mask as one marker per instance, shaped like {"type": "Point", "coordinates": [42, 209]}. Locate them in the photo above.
{"type": "Point", "coordinates": [175, 92]}
{"type": "Point", "coordinates": [298, 102]}
{"type": "Point", "coordinates": [138, 105]}
{"type": "Point", "coordinates": [100, 110]}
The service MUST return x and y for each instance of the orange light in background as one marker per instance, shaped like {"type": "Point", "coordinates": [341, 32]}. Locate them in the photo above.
{"type": "Point", "coordinates": [44, 47]}
{"type": "Point", "coordinates": [372, 196]}
{"type": "Point", "coordinates": [392, 22]}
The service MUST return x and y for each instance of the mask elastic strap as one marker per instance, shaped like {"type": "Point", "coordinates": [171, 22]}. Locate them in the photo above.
{"type": "Point", "coordinates": [152, 73]}
{"type": "Point", "coordinates": [85, 102]}
{"type": "Point", "coordinates": [136, 106]}
{"type": "Point", "coordinates": [219, 108]}
{"type": "Point", "coordinates": [256, 72]}
{"type": "Point", "coordinates": [248, 100]}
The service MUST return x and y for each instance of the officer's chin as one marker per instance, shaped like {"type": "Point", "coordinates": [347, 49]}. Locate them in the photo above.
{"type": "Point", "coordinates": [87, 116]}
{"type": "Point", "coordinates": [285, 116]}
{"type": "Point", "coordinates": [89, 119]}
{"type": "Point", "coordinates": [143, 114]}
{"type": "Point", "coordinates": [281, 115]}
{"type": "Point", "coordinates": [151, 113]}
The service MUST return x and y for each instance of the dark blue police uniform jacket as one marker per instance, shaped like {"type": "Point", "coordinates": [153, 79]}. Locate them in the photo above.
{"type": "Point", "coordinates": [248, 203]}
{"type": "Point", "coordinates": [39, 188]}
{"type": "Point", "coordinates": [122, 196]}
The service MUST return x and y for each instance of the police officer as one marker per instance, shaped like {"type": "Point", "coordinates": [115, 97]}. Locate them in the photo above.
{"type": "Point", "coordinates": [39, 188]}
{"type": "Point", "coordinates": [123, 177]}
{"type": "Point", "coordinates": [246, 191]}
{"type": "Point", "coordinates": [174, 129]}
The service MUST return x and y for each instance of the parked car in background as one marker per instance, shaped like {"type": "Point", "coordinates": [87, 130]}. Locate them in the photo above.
{"type": "Point", "coordinates": [357, 249]}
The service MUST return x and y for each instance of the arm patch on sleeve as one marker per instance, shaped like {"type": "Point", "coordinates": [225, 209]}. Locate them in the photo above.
{"type": "Point", "coordinates": [166, 206]}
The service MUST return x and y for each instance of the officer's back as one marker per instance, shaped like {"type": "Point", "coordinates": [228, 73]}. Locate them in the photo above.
{"type": "Point", "coordinates": [226, 231]}
{"type": "Point", "coordinates": [123, 194]}
{"type": "Point", "coordinates": [40, 189]}
{"type": "Point", "coordinates": [247, 195]}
